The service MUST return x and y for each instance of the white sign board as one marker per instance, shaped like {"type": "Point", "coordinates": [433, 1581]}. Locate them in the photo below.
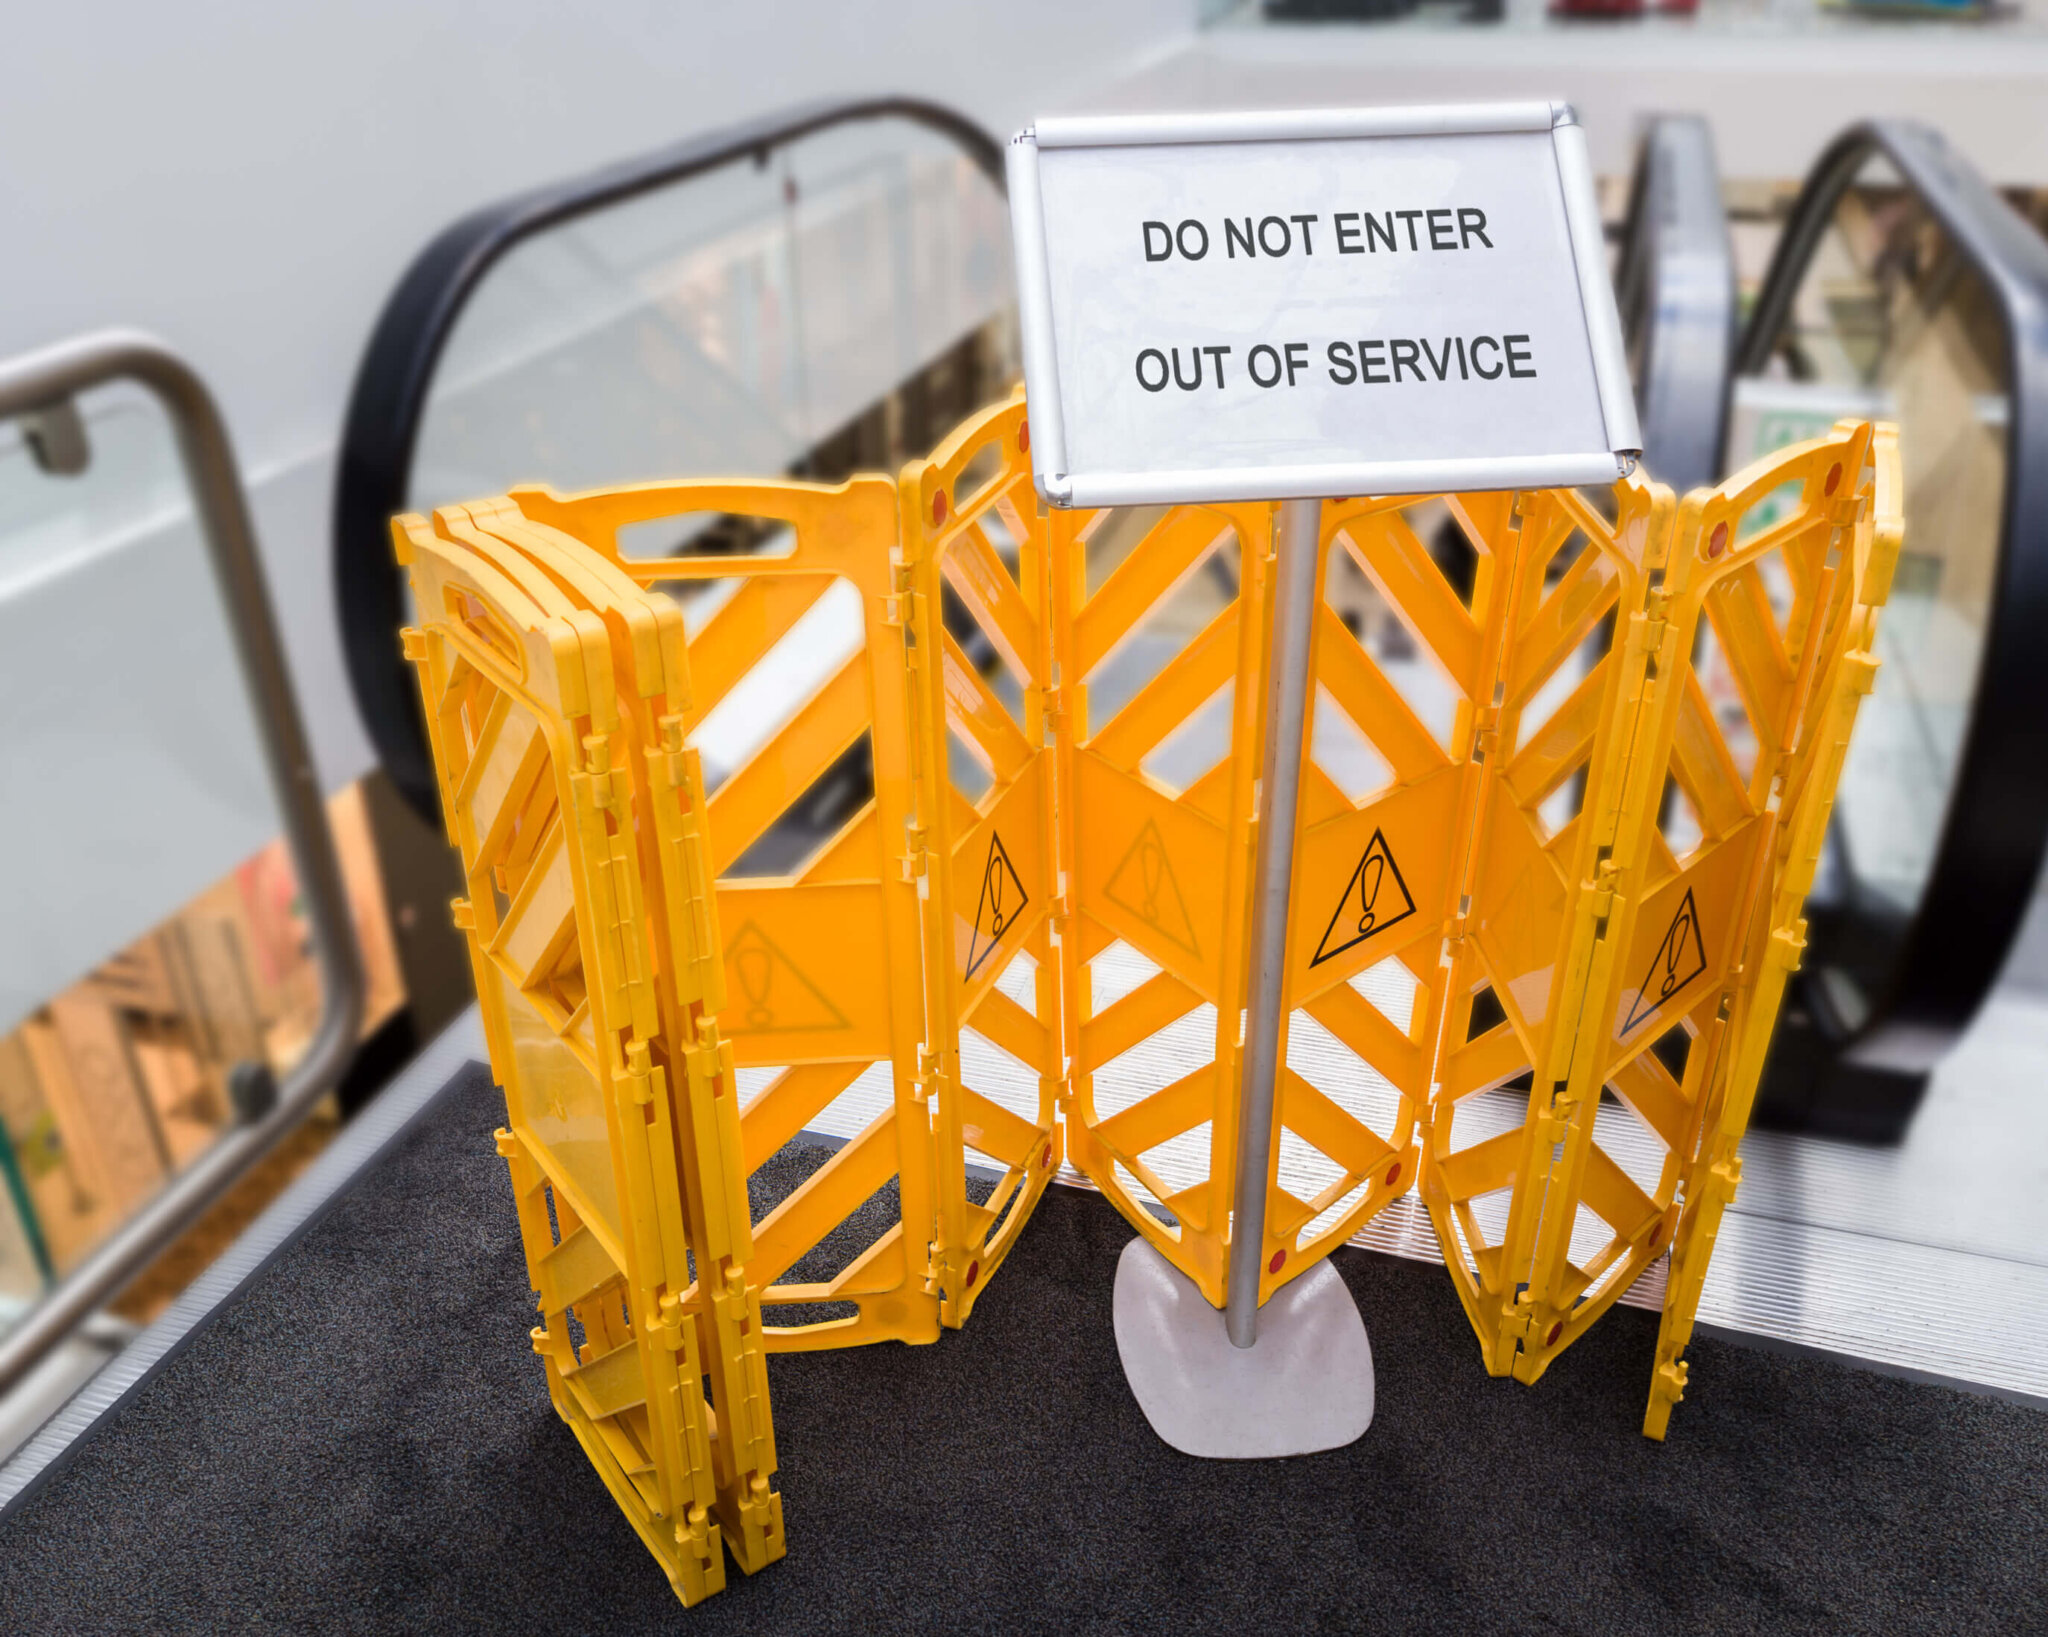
{"type": "Point", "coordinates": [1294, 305]}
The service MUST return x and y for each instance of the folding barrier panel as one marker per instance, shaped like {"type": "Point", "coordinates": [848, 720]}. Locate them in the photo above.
{"type": "Point", "coordinates": [535, 766]}
{"type": "Point", "coordinates": [982, 668]}
{"type": "Point", "coordinates": [1165, 634]}
{"type": "Point", "coordinates": [927, 1065]}
{"type": "Point", "coordinates": [1636, 954]}
{"type": "Point", "coordinates": [1160, 619]}
{"type": "Point", "coordinates": [799, 667]}
{"type": "Point", "coordinates": [1395, 712]}
{"type": "Point", "coordinates": [1543, 867]}
{"type": "Point", "coordinates": [972, 880]}
{"type": "Point", "coordinates": [1791, 610]}
{"type": "Point", "coordinates": [649, 671]}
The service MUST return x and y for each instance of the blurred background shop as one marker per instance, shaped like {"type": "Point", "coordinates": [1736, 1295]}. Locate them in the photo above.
{"type": "Point", "coordinates": [420, 252]}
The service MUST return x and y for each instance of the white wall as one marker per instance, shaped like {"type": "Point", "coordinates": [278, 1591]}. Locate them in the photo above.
{"type": "Point", "coordinates": [248, 179]}
{"type": "Point", "coordinates": [1775, 88]}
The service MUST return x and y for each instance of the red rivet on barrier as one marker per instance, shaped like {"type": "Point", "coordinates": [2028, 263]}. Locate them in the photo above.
{"type": "Point", "coordinates": [1279, 1261]}
{"type": "Point", "coordinates": [1834, 478]}
{"type": "Point", "coordinates": [1046, 1163]}
{"type": "Point", "coordinates": [973, 1273]}
{"type": "Point", "coordinates": [938, 508]}
{"type": "Point", "coordinates": [1719, 542]}
{"type": "Point", "coordinates": [1024, 436]}
{"type": "Point", "coordinates": [1556, 1330]}
{"type": "Point", "coordinates": [1393, 1173]}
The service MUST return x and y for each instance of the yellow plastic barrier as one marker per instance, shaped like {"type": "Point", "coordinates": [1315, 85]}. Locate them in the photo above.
{"type": "Point", "coordinates": [955, 1054]}
{"type": "Point", "coordinates": [617, 1094]}
{"type": "Point", "coordinates": [1638, 951]}
{"type": "Point", "coordinates": [1160, 854]}
{"type": "Point", "coordinates": [1162, 866]}
{"type": "Point", "coordinates": [823, 957]}
{"type": "Point", "coordinates": [1545, 899]}
{"type": "Point", "coordinates": [1794, 610]}
{"type": "Point", "coordinates": [984, 854]}
{"type": "Point", "coordinates": [1560, 697]}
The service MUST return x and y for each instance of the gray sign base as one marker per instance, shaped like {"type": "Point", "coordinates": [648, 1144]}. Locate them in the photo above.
{"type": "Point", "coordinates": [1305, 1386]}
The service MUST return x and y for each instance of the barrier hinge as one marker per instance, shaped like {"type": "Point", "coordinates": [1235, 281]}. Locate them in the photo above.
{"type": "Point", "coordinates": [917, 850]}
{"type": "Point", "coordinates": [598, 747]}
{"type": "Point", "coordinates": [1788, 945]}
{"type": "Point", "coordinates": [1485, 731]}
{"type": "Point", "coordinates": [1047, 703]}
{"type": "Point", "coordinates": [693, 1534]}
{"type": "Point", "coordinates": [1456, 930]}
{"type": "Point", "coordinates": [702, 1062]}
{"type": "Point", "coordinates": [1654, 625]}
{"type": "Point", "coordinates": [1722, 1178]}
{"type": "Point", "coordinates": [1518, 1320]}
{"type": "Point", "coordinates": [1554, 1125]}
{"type": "Point", "coordinates": [674, 758]}
{"type": "Point", "coordinates": [1602, 884]}
{"type": "Point", "coordinates": [899, 589]}
{"type": "Point", "coordinates": [727, 1289]}
{"type": "Point", "coordinates": [640, 1073]}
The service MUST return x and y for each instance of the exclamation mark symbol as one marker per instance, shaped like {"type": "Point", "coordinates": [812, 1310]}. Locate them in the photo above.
{"type": "Point", "coordinates": [1674, 945]}
{"type": "Point", "coordinates": [1152, 868]}
{"type": "Point", "coordinates": [1370, 874]}
{"type": "Point", "coordinates": [994, 887]}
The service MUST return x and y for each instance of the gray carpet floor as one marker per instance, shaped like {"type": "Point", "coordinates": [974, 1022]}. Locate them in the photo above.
{"type": "Point", "coordinates": [363, 1444]}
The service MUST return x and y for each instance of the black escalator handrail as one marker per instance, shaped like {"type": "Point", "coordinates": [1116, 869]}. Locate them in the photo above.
{"type": "Point", "coordinates": [1676, 285]}
{"type": "Point", "coordinates": [1995, 834]}
{"type": "Point", "coordinates": [381, 427]}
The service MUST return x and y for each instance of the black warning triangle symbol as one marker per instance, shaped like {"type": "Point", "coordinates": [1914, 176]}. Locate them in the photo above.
{"type": "Point", "coordinates": [1002, 901]}
{"type": "Point", "coordinates": [1680, 958]}
{"type": "Point", "coordinates": [772, 993]}
{"type": "Point", "coordinates": [1374, 899]}
{"type": "Point", "coordinates": [1144, 884]}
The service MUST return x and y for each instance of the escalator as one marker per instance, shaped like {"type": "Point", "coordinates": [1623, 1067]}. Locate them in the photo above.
{"type": "Point", "coordinates": [823, 290]}
{"type": "Point", "coordinates": [1904, 286]}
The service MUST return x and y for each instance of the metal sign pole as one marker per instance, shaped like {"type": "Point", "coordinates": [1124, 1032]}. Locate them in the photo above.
{"type": "Point", "coordinates": [1308, 1383]}
{"type": "Point", "coordinates": [1272, 877]}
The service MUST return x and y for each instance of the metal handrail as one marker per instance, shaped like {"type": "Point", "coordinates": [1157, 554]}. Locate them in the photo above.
{"type": "Point", "coordinates": [1676, 288]}
{"type": "Point", "coordinates": [1994, 836]}
{"type": "Point", "coordinates": [389, 397]}
{"type": "Point", "coordinates": [38, 381]}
